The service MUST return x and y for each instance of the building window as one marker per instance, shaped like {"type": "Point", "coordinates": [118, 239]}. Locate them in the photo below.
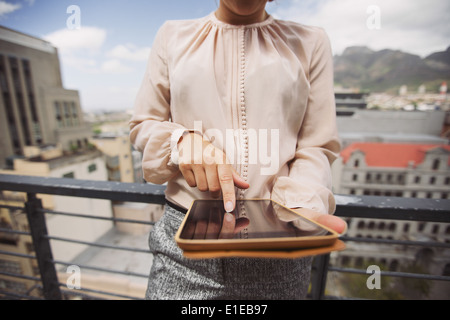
{"type": "Point", "coordinates": [436, 164]}
{"type": "Point", "coordinates": [356, 163]}
{"type": "Point", "coordinates": [69, 175]}
{"type": "Point", "coordinates": [74, 114]}
{"type": "Point", "coordinates": [92, 168]}
{"type": "Point", "coordinates": [32, 101]}
{"type": "Point", "coordinates": [23, 115]}
{"type": "Point", "coordinates": [10, 115]}
{"type": "Point", "coordinates": [406, 227]}
{"type": "Point", "coordinates": [355, 177]}
{"type": "Point", "coordinates": [435, 229]}
{"type": "Point", "coordinates": [421, 227]}
{"type": "Point", "coordinates": [417, 179]}
{"type": "Point", "coordinates": [58, 115]}
{"type": "Point", "coordinates": [67, 114]}
{"type": "Point", "coordinates": [432, 180]}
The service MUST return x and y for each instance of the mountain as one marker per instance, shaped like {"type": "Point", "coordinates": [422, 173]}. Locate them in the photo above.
{"type": "Point", "coordinates": [387, 70]}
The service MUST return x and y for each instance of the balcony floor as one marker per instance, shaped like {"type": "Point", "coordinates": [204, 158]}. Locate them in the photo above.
{"type": "Point", "coordinates": [117, 260]}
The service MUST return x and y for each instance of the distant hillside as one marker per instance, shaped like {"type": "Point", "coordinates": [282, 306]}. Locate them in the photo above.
{"type": "Point", "coordinates": [387, 70]}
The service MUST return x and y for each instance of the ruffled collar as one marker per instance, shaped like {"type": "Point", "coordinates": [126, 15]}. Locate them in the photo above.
{"type": "Point", "coordinates": [213, 18]}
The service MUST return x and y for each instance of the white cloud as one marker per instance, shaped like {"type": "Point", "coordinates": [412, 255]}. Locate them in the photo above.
{"type": "Point", "coordinates": [86, 38]}
{"type": "Point", "coordinates": [115, 66]}
{"type": "Point", "coordinates": [419, 27]}
{"type": "Point", "coordinates": [6, 8]}
{"type": "Point", "coordinates": [130, 52]}
{"type": "Point", "coordinates": [108, 97]}
{"type": "Point", "coordinates": [107, 79]}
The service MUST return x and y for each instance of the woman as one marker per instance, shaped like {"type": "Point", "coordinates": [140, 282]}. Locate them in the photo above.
{"type": "Point", "coordinates": [219, 92]}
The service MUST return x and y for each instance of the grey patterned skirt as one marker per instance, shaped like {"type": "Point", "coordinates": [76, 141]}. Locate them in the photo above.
{"type": "Point", "coordinates": [175, 277]}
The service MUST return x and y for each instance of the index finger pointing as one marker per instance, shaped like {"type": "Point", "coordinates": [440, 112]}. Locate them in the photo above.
{"type": "Point", "coordinates": [225, 174]}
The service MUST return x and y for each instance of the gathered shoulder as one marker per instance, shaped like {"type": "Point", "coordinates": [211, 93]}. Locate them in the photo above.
{"type": "Point", "coordinates": [302, 29]}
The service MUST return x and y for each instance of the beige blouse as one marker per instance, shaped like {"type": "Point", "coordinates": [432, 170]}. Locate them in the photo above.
{"type": "Point", "coordinates": [263, 93]}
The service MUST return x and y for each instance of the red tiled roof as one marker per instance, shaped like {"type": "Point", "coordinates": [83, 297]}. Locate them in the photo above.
{"type": "Point", "coordinates": [391, 154]}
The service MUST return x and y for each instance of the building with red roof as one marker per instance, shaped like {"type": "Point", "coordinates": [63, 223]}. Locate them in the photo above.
{"type": "Point", "coordinates": [393, 169]}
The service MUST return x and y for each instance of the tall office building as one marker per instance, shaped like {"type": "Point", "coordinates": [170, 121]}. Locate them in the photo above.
{"type": "Point", "coordinates": [35, 108]}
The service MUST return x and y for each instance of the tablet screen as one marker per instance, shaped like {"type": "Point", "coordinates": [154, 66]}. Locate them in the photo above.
{"type": "Point", "coordinates": [252, 219]}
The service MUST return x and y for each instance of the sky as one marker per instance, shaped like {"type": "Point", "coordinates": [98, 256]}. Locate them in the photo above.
{"type": "Point", "coordinates": [104, 44]}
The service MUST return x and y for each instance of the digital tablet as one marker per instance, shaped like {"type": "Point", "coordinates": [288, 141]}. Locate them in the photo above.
{"type": "Point", "coordinates": [256, 224]}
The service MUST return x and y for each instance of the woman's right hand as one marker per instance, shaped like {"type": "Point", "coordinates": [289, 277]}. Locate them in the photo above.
{"type": "Point", "coordinates": [204, 166]}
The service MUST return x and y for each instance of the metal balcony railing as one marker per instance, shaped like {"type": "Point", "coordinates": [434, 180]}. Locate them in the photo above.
{"type": "Point", "coordinates": [49, 287]}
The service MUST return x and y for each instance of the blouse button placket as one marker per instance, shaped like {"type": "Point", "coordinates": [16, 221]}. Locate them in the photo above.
{"type": "Point", "coordinates": [243, 105]}
{"type": "Point", "coordinates": [243, 108]}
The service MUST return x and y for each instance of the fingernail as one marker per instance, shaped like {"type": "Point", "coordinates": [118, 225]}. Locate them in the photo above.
{"type": "Point", "coordinates": [229, 206]}
{"type": "Point", "coordinates": [229, 217]}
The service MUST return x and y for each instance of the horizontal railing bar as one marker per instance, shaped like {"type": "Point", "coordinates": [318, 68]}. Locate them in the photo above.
{"type": "Point", "coordinates": [18, 295]}
{"type": "Point", "coordinates": [393, 208]}
{"type": "Point", "coordinates": [17, 254]}
{"type": "Point", "coordinates": [4, 206]}
{"type": "Point", "coordinates": [94, 217]}
{"type": "Point", "coordinates": [25, 233]}
{"type": "Point", "coordinates": [97, 244]}
{"type": "Point", "coordinates": [127, 273]}
{"type": "Point", "coordinates": [76, 292]}
{"type": "Point", "coordinates": [22, 276]}
{"type": "Point", "coordinates": [110, 190]}
{"type": "Point", "coordinates": [399, 242]}
{"type": "Point", "coordinates": [393, 274]}
{"type": "Point", "coordinates": [98, 292]}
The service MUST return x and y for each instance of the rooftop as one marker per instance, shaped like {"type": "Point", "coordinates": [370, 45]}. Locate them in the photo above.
{"type": "Point", "coordinates": [392, 155]}
{"type": "Point", "coordinates": [25, 40]}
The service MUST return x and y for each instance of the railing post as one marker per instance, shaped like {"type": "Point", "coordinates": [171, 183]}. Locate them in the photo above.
{"type": "Point", "coordinates": [319, 277]}
{"type": "Point", "coordinates": [44, 256]}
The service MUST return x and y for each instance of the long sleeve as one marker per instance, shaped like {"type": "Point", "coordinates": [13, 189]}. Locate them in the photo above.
{"type": "Point", "coordinates": [308, 183]}
{"type": "Point", "coordinates": [150, 127]}
{"type": "Point", "coordinates": [272, 76]}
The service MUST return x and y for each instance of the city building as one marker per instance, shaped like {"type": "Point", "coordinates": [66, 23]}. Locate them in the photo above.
{"type": "Point", "coordinates": [119, 159]}
{"type": "Point", "coordinates": [87, 165]}
{"type": "Point", "coordinates": [391, 169]}
{"type": "Point", "coordinates": [395, 170]}
{"type": "Point", "coordinates": [392, 126]}
{"type": "Point", "coordinates": [35, 108]}
{"type": "Point", "coordinates": [348, 101]}
{"type": "Point", "coordinates": [124, 164]}
{"type": "Point", "coordinates": [43, 133]}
